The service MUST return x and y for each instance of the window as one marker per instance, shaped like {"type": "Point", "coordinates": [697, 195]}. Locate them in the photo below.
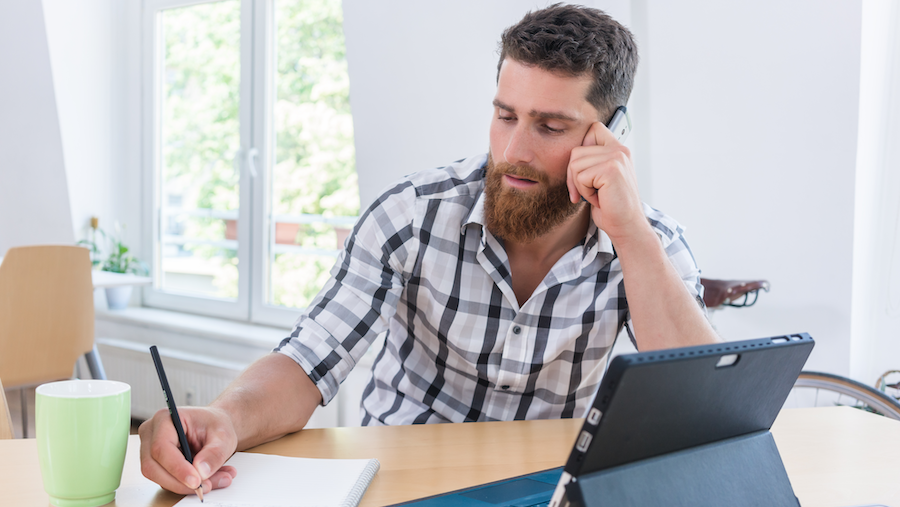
{"type": "Point", "coordinates": [250, 174]}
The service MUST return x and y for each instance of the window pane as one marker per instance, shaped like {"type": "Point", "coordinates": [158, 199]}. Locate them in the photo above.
{"type": "Point", "coordinates": [314, 198]}
{"type": "Point", "coordinates": [200, 137]}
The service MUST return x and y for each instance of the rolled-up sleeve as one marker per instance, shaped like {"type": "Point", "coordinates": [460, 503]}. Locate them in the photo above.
{"type": "Point", "coordinates": [359, 299]}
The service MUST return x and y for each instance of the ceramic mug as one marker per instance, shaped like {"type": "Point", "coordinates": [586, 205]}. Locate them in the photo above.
{"type": "Point", "coordinates": [82, 430]}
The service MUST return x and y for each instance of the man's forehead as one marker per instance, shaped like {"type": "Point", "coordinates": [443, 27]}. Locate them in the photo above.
{"type": "Point", "coordinates": [530, 90]}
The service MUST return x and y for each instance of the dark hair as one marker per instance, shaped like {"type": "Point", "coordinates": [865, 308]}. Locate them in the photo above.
{"type": "Point", "coordinates": [574, 40]}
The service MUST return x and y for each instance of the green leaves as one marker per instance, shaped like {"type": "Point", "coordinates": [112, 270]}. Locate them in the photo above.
{"type": "Point", "coordinates": [119, 260]}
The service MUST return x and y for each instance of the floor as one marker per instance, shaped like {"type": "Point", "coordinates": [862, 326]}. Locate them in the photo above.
{"type": "Point", "coordinates": [13, 399]}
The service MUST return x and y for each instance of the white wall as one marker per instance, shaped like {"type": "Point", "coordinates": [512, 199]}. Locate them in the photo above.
{"type": "Point", "coordinates": [95, 54]}
{"type": "Point", "coordinates": [876, 269]}
{"type": "Point", "coordinates": [34, 202]}
{"type": "Point", "coordinates": [753, 110]}
{"type": "Point", "coordinates": [81, 47]}
{"type": "Point", "coordinates": [422, 78]}
{"type": "Point", "coordinates": [62, 139]}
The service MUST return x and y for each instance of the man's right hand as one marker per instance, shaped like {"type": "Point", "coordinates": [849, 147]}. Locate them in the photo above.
{"type": "Point", "coordinates": [212, 438]}
{"type": "Point", "coordinates": [257, 407]}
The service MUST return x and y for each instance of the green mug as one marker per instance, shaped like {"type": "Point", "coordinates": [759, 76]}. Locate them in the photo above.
{"type": "Point", "coordinates": [82, 431]}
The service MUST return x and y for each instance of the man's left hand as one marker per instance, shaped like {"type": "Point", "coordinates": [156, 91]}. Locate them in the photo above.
{"type": "Point", "coordinates": [601, 171]}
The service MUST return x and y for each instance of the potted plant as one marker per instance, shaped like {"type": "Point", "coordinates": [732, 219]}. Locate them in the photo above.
{"type": "Point", "coordinates": [119, 260]}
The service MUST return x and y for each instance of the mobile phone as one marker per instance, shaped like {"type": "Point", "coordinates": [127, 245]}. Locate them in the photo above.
{"type": "Point", "coordinates": [620, 124]}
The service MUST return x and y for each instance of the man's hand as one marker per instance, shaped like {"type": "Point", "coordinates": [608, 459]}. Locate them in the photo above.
{"type": "Point", "coordinates": [601, 171]}
{"type": "Point", "coordinates": [210, 434]}
{"type": "Point", "coordinates": [271, 398]}
{"type": "Point", "coordinates": [664, 313]}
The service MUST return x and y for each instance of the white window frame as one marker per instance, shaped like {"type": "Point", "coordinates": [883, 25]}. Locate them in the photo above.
{"type": "Point", "coordinates": [257, 145]}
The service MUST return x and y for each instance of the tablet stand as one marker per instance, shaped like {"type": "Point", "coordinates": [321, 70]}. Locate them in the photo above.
{"type": "Point", "coordinates": [739, 471]}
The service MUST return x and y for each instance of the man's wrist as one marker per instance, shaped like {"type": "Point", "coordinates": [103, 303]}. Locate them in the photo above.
{"type": "Point", "coordinates": [640, 237]}
{"type": "Point", "coordinates": [229, 415]}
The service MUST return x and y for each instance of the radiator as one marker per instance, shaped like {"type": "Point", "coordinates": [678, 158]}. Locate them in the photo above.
{"type": "Point", "coordinates": [194, 379]}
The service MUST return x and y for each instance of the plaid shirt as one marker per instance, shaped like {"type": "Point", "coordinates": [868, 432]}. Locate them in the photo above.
{"type": "Point", "coordinates": [421, 265]}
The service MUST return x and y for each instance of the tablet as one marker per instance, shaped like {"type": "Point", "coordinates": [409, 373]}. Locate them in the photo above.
{"type": "Point", "coordinates": [654, 403]}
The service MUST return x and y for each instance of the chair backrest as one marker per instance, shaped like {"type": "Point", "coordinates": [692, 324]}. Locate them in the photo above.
{"type": "Point", "coordinates": [46, 312]}
{"type": "Point", "coordinates": [6, 428]}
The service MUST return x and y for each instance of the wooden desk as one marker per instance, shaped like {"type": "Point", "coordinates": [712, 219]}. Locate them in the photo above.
{"type": "Point", "coordinates": [834, 457]}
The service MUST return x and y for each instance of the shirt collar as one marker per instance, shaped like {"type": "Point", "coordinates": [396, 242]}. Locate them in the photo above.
{"type": "Point", "coordinates": [476, 214]}
{"type": "Point", "coordinates": [596, 242]}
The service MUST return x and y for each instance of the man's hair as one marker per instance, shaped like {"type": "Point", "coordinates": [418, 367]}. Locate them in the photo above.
{"type": "Point", "coordinates": [575, 40]}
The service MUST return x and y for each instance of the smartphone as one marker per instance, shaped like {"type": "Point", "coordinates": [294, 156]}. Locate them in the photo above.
{"type": "Point", "coordinates": [620, 124]}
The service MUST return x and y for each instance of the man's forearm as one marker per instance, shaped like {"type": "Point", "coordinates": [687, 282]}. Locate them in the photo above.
{"type": "Point", "coordinates": [271, 398]}
{"type": "Point", "coordinates": [664, 313]}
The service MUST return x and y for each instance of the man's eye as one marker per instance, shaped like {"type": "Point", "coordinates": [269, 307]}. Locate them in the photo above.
{"type": "Point", "coordinates": [553, 130]}
{"type": "Point", "coordinates": [506, 118]}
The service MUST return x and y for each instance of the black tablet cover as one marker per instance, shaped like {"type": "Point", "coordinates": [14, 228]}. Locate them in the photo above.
{"type": "Point", "coordinates": [653, 403]}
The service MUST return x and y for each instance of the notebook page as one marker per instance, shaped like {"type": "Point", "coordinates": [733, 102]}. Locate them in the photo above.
{"type": "Point", "coordinates": [265, 480]}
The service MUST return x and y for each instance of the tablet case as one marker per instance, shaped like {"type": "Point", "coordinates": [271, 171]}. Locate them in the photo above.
{"type": "Point", "coordinates": [664, 447]}
{"type": "Point", "coordinates": [743, 471]}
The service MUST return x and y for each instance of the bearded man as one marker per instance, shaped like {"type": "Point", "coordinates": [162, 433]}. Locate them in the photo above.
{"type": "Point", "coordinates": [500, 280]}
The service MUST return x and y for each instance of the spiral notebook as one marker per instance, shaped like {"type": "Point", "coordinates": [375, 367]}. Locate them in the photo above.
{"type": "Point", "coordinates": [265, 480]}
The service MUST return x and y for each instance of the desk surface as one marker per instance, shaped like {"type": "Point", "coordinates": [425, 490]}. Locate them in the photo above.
{"type": "Point", "coordinates": [834, 457]}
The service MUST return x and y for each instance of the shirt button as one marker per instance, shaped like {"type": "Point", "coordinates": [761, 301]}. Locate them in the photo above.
{"type": "Point", "coordinates": [516, 330]}
{"type": "Point", "coordinates": [504, 387]}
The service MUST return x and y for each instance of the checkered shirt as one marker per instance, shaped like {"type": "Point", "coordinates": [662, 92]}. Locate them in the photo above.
{"type": "Point", "coordinates": [421, 266]}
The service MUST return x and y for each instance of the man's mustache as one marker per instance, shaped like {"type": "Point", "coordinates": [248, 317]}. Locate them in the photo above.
{"type": "Point", "coordinates": [521, 171]}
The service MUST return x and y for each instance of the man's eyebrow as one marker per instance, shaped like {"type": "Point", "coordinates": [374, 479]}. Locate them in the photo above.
{"type": "Point", "coordinates": [503, 106]}
{"type": "Point", "coordinates": [547, 115]}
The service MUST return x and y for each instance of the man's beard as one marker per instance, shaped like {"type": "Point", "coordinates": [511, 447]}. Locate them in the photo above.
{"type": "Point", "coordinates": [523, 216]}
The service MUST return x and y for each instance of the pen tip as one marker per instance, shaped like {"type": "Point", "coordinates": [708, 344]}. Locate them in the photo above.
{"type": "Point", "coordinates": [200, 493]}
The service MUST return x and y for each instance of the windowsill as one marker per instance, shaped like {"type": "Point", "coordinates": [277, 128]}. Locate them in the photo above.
{"type": "Point", "coordinates": [209, 340]}
{"type": "Point", "coordinates": [221, 330]}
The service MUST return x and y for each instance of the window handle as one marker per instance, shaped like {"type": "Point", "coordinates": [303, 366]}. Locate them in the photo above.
{"type": "Point", "coordinates": [251, 161]}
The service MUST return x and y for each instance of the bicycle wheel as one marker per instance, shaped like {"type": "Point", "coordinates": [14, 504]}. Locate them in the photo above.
{"type": "Point", "coordinates": [818, 389]}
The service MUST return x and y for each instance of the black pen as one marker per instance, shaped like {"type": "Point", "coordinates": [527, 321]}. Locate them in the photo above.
{"type": "Point", "coordinates": [173, 412]}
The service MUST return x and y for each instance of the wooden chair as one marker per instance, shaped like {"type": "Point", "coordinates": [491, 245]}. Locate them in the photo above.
{"type": "Point", "coordinates": [46, 316]}
{"type": "Point", "coordinates": [6, 429]}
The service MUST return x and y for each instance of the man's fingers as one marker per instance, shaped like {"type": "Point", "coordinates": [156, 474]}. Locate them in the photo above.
{"type": "Point", "coordinates": [154, 471]}
{"type": "Point", "coordinates": [212, 456]}
{"type": "Point", "coordinates": [599, 135]}
{"type": "Point", "coordinates": [574, 196]}
{"type": "Point", "coordinates": [590, 139]}
{"type": "Point", "coordinates": [580, 187]}
{"type": "Point", "coordinates": [161, 458]}
{"type": "Point", "coordinates": [209, 435]}
{"type": "Point", "coordinates": [223, 477]}
{"type": "Point", "coordinates": [583, 177]}
{"type": "Point", "coordinates": [169, 457]}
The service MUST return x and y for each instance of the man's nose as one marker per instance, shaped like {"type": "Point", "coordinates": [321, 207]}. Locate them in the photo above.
{"type": "Point", "coordinates": [518, 148]}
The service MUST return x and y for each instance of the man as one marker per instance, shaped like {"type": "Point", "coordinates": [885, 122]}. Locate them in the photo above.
{"type": "Point", "coordinates": [500, 279]}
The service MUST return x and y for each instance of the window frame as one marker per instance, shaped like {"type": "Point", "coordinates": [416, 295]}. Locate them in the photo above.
{"type": "Point", "coordinates": [256, 124]}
